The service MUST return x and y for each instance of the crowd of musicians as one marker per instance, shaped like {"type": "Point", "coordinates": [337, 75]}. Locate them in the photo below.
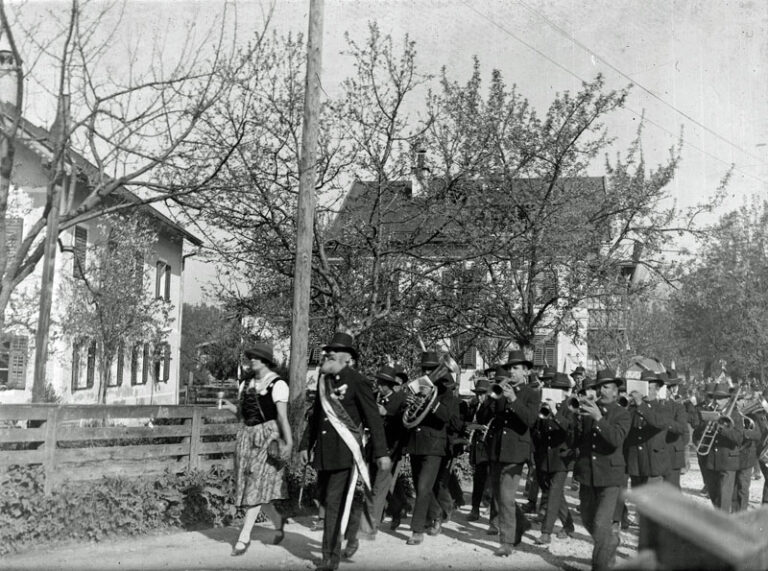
{"type": "Point", "coordinates": [359, 432]}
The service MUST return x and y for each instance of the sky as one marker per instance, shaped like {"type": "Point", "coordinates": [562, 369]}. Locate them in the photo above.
{"type": "Point", "coordinates": [699, 66]}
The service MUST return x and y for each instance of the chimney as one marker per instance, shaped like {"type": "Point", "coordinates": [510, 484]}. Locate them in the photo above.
{"type": "Point", "coordinates": [419, 174]}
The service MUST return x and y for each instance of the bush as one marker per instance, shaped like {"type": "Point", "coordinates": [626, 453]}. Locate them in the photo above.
{"type": "Point", "coordinates": [109, 507]}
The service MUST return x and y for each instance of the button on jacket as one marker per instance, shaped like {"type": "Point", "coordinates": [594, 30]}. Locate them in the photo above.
{"type": "Point", "coordinates": [552, 442]}
{"type": "Point", "coordinates": [509, 436]}
{"type": "Point", "coordinates": [330, 451]}
{"type": "Point", "coordinates": [646, 446]}
{"type": "Point", "coordinates": [430, 437]}
{"type": "Point", "coordinates": [725, 454]}
{"type": "Point", "coordinates": [677, 433]}
{"type": "Point", "coordinates": [601, 455]}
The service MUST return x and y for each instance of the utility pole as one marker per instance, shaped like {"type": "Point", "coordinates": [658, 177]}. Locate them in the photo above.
{"type": "Point", "coordinates": [305, 213]}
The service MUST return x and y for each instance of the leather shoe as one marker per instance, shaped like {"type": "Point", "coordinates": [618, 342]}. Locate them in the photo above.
{"type": "Point", "coordinates": [474, 515]}
{"type": "Point", "coordinates": [529, 508]}
{"type": "Point", "coordinates": [351, 548]}
{"type": "Point", "coordinates": [544, 539]}
{"type": "Point", "coordinates": [492, 529]}
{"type": "Point", "coordinates": [318, 524]}
{"type": "Point", "coordinates": [435, 528]}
{"type": "Point", "coordinates": [326, 565]}
{"type": "Point", "coordinates": [240, 551]}
{"type": "Point", "coordinates": [394, 524]}
{"type": "Point", "coordinates": [504, 550]}
{"type": "Point", "coordinates": [415, 539]}
{"type": "Point", "coordinates": [566, 533]}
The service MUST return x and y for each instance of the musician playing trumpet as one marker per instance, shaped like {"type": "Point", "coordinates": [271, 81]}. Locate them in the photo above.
{"type": "Point", "coordinates": [678, 431]}
{"type": "Point", "coordinates": [513, 407]}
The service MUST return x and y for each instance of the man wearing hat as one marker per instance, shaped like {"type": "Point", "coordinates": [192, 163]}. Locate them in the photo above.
{"type": "Point", "coordinates": [719, 465]}
{"type": "Point", "coordinates": [429, 453]}
{"type": "Point", "coordinates": [678, 432]}
{"type": "Point", "coordinates": [512, 411]}
{"type": "Point", "coordinates": [344, 402]}
{"type": "Point", "coordinates": [646, 446]}
{"type": "Point", "coordinates": [532, 484]}
{"type": "Point", "coordinates": [578, 376]}
{"type": "Point", "coordinates": [478, 456]}
{"type": "Point", "coordinates": [600, 467]}
{"type": "Point", "coordinates": [748, 453]}
{"type": "Point", "coordinates": [554, 459]}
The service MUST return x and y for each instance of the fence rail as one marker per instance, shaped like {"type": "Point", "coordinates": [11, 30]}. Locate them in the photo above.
{"type": "Point", "coordinates": [86, 442]}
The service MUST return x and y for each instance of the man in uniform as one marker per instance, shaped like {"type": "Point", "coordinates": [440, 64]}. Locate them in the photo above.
{"type": "Point", "coordinates": [600, 467]}
{"type": "Point", "coordinates": [720, 464]}
{"type": "Point", "coordinates": [513, 409]}
{"type": "Point", "coordinates": [478, 456]}
{"type": "Point", "coordinates": [344, 402]}
{"type": "Point", "coordinates": [678, 432]}
{"type": "Point", "coordinates": [747, 458]}
{"type": "Point", "coordinates": [578, 376]}
{"type": "Point", "coordinates": [428, 450]}
{"type": "Point", "coordinates": [554, 459]}
{"type": "Point", "coordinates": [646, 444]}
{"type": "Point", "coordinates": [532, 486]}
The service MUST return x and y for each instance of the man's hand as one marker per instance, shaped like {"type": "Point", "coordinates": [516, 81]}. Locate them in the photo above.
{"type": "Point", "coordinates": [384, 463]}
{"type": "Point", "coordinates": [509, 393]}
{"type": "Point", "coordinates": [382, 410]}
{"type": "Point", "coordinates": [637, 397]}
{"type": "Point", "coordinates": [590, 408]}
{"type": "Point", "coordinates": [286, 452]}
{"type": "Point", "coordinates": [303, 457]}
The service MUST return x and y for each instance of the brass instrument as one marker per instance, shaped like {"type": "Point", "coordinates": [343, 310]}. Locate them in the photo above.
{"type": "Point", "coordinates": [545, 411]}
{"type": "Point", "coordinates": [623, 401]}
{"type": "Point", "coordinates": [574, 403]}
{"type": "Point", "coordinates": [749, 424]}
{"type": "Point", "coordinates": [497, 389]}
{"type": "Point", "coordinates": [424, 400]}
{"type": "Point", "coordinates": [712, 428]}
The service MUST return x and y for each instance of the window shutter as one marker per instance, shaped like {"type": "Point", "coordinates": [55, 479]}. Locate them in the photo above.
{"type": "Point", "coordinates": [120, 365]}
{"type": "Point", "coordinates": [145, 364]}
{"type": "Point", "coordinates": [14, 230]}
{"type": "Point", "coordinates": [91, 365]}
{"type": "Point", "coordinates": [545, 353]}
{"type": "Point", "coordinates": [81, 243]}
{"type": "Point", "coordinates": [314, 356]}
{"type": "Point", "coordinates": [75, 365]}
{"type": "Point", "coordinates": [159, 268]}
{"type": "Point", "coordinates": [135, 365]}
{"type": "Point", "coordinates": [17, 366]}
{"type": "Point", "coordinates": [469, 360]}
{"type": "Point", "coordinates": [167, 282]}
{"type": "Point", "coordinates": [166, 362]}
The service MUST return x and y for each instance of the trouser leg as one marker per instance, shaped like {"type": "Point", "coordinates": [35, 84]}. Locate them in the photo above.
{"type": "Point", "coordinates": [479, 481]}
{"type": "Point", "coordinates": [556, 503]}
{"type": "Point", "coordinates": [382, 481]}
{"type": "Point", "coordinates": [743, 480]}
{"type": "Point", "coordinates": [507, 480]}
{"type": "Point", "coordinates": [425, 469]}
{"type": "Point", "coordinates": [442, 507]}
{"type": "Point", "coordinates": [333, 485]}
{"type": "Point", "coordinates": [764, 470]}
{"type": "Point", "coordinates": [726, 480]}
{"type": "Point", "coordinates": [620, 513]}
{"type": "Point", "coordinates": [606, 542]}
{"type": "Point", "coordinates": [587, 506]}
{"type": "Point", "coordinates": [673, 477]}
{"type": "Point", "coordinates": [712, 485]}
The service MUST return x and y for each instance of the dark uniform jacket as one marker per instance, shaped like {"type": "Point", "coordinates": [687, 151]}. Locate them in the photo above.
{"type": "Point", "coordinates": [509, 437]}
{"type": "Point", "coordinates": [601, 455]}
{"type": "Point", "coordinates": [330, 451]}
{"type": "Point", "coordinates": [553, 443]}
{"type": "Point", "coordinates": [749, 452]}
{"type": "Point", "coordinates": [725, 454]}
{"type": "Point", "coordinates": [394, 431]}
{"type": "Point", "coordinates": [430, 437]}
{"type": "Point", "coordinates": [646, 446]}
{"type": "Point", "coordinates": [478, 453]}
{"type": "Point", "coordinates": [678, 431]}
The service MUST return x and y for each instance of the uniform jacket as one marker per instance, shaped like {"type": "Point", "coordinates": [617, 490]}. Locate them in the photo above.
{"type": "Point", "coordinates": [330, 451]}
{"type": "Point", "coordinates": [645, 447]}
{"type": "Point", "coordinates": [394, 431]}
{"type": "Point", "coordinates": [552, 440]}
{"type": "Point", "coordinates": [430, 437]}
{"type": "Point", "coordinates": [509, 436]}
{"type": "Point", "coordinates": [478, 452]}
{"type": "Point", "coordinates": [749, 448]}
{"type": "Point", "coordinates": [601, 456]}
{"type": "Point", "coordinates": [678, 431]}
{"type": "Point", "coordinates": [725, 454]}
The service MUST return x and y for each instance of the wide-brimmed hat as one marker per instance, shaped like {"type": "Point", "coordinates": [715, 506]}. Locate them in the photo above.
{"type": "Point", "coordinates": [709, 388]}
{"type": "Point", "coordinates": [502, 373]}
{"type": "Point", "coordinates": [672, 378]}
{"type": "Point", "coordinates": [400, 373]}
{"type": "Point", "coordinates": [561, 381]}
{"type": "Point", "coordinates": [652, 377]}
{"type": "Point", "coordinates": [489, 370]}
{"type": "Point", "coordinates": [260, 351]}
{"type": "Point", "coordinates": [517, 357]}
{"type": "Point", "coordinates": [429, 360]}
{"type": "Point", "coordinates": [482, 385]}
{"type": "Point", "coordinates": [608, 376]}
{"type": "Point", "coordinates": [548, 373]}
{"type": "Point", "coordinates": [387, 375]}
{"type": "Point", "coordinates": [721, 391]}
{"type": "Point", "coordinates": [342, 342]}
{"type": "Point", "coordinates": [579, 371]}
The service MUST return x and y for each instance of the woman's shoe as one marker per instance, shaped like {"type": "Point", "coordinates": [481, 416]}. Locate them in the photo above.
{"type": "Point", "coordinates": [279, 533]}
{"type": "Point", "coordinates": [239, 551]}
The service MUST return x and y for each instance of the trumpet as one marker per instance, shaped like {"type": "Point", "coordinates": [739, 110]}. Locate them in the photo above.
{"type": "Point", "coordinates": [749, 424]}
{"type": "Point", "coordinates": [575, 403]}
{"type": "Point", "coordinates": [545, 411]}
{"type": "Point", "coordinates": [497, 389]}
{"type": "Point", "coordinates": [623, 401]}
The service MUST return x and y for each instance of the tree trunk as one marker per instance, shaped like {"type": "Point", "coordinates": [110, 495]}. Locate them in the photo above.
{"type": "Point", "coordinates": [105, 375]}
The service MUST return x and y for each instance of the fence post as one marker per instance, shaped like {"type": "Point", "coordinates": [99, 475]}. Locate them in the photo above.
{"type": "Point", "coordinates": [49, 450]}
{"type": "Point", "coordinates": [194, 440]}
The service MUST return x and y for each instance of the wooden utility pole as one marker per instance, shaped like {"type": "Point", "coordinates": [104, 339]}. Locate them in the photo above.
{"type": "Point", "coordinates": [305, 212]}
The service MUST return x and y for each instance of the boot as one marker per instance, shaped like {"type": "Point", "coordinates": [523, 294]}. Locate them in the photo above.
{"type": "Point", "coordinates": [504, 550]}
{"type": "Point", "coordinates": [415, 539]}
{"type": "Point", "coordinates": [474, 515]}
{"type": "Point", "coordinates": [544, 539]}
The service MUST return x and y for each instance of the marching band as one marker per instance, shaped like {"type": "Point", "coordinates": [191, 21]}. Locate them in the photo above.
{"type": "Point", "coordinates": [553, 423]}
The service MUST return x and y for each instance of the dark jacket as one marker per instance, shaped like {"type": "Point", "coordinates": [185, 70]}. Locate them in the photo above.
{"type": "Point", "coordinates": [725, 454]}
{"type": "Point", "coordinates": [395, 433]}
{"type": "Point", "coordinates": [749, 448]}
{"type": "Point", "coordinates": [678, 431]}
{"type": "Point", "coordinates": [509, 437]}
{"type": "Point", "coordinates": [330, 451]}
{"type": "Point", "coordinates": [601, 454]}
{"type": "Point", "coordinates": [430, 437]}
{"type": "Point", "coordinates": [646, 447]}
{"type": "Point", "coordinates": [553, 451]}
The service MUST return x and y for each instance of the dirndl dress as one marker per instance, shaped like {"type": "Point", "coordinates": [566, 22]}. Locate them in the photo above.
{"type": "Point", "coordinates": [259, 479]}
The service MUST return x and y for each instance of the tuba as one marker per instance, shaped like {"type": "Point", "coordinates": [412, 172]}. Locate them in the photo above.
{"type": "Point", "coordinates": [425, 392]}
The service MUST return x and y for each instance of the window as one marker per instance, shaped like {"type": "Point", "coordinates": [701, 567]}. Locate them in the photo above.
{"type": "Point", "coordinates": [116, 379]}
{"type": "Point", "coordinates": [315, 354]}
{"type": "Point", "coordinates": [545, 353]}
{"type": "Point", "coordinates": [13, 362]}
{"type": "Point", "coordinates": [90, 372]}
{"type": "Point", "coordinates": [469, 359]}
{"type": "Point", "coordinates": [14, 230]}
{"type": "Point", "coordinates": [163, 281]}
{"type": "Point", "coordinates": [135, 364]}
{"type": "Point", "coordinates": [81, 243]}
{"type": "Point", "coordinates": [163, 363]}
{"type": "Point", "coordinates": [138, 270]}
{"type": "Point", "coordinates": [83, 364]}
{"type": "Point", "coordinates": [145, 364]}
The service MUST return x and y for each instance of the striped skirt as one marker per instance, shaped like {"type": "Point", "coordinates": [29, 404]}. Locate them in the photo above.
{"type": "Point", "coordinates": [258, 478]}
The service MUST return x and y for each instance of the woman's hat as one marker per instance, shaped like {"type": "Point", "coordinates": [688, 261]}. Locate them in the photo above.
{"type": "Point", "coordinates": [342, 342]}
{"type": "Point", "coordinates": [260, 351]}
{"type": "Point", "coordinates": [608, 376]}
{"type": "Point", "coordinates": [388, 375]}
{"type": "Point", "coordinates": [517, 357]}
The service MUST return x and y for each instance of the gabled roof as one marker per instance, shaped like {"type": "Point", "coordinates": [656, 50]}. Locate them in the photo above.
{"type": "Point", "coordinates": [38, 141]}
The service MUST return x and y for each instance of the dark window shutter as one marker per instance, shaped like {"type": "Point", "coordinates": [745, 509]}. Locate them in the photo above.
{"type": "Point", "coordinates": [14, 230]}
{"type": "Point", "coordinates": [145, 364]}
{"type": "Point", "coordinates": [469, 360]}
{"type": "Point", "coordinates": [81, 243]}
{"type": "Point", "coordinates": [315, 354]}
{"type": "Point", "coordinates": [75, 365]}
{"type": "Point", "coordinates": [159, 268]}
{"type": "Point", "coordinates": [135, 365]}
{"type": "Point", "coordinates": [167, 283]}
{"type": "Point", "coordinates": [17, 365]}
{"type": "Point", "coordinates": [166, 362]}
{"type": "Point", "coordinates": [91, 366]}
{"type": "Point", "coordinates": [120, 365]}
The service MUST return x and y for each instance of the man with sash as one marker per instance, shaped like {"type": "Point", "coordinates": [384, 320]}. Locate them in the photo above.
{"type": "Point", "coordinates": [678, 431]}
{"type": "Point", "coordinates": [344, 403]}
{"type": "Point", "coordinates": [600, 467]}
{"type": "Point", "coordinates": [512, 410]}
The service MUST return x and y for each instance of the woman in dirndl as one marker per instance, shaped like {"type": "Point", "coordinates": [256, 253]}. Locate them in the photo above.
{"type": "Point", "coordinates": [263, 444]}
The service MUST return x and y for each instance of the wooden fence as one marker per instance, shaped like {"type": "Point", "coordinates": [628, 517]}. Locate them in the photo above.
{"type": "Point", "coordinates": [85, 442]}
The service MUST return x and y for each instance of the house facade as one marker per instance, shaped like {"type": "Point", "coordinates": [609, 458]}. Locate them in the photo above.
{"type": "Point", "coordinates": [141, 374]}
